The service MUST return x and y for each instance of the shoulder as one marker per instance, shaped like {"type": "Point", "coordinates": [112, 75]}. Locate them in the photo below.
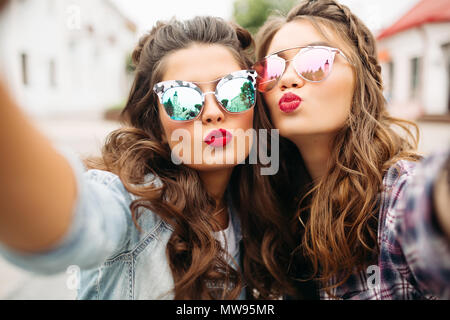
{"type": "Point", "coordinates": [406, 176]}
{"type": "Point", "coordinates": [398, 173]}
{"type": "Point", "coordinates": [407, 189]}
{"type": "Point", "coordinates": [112, 181]}
{"type": "Point", "coordinates": [395, 182]}
{"type": "Point", "coordinates": [105, 178]}
{"type": "Point", "coordinates": [143, 223]}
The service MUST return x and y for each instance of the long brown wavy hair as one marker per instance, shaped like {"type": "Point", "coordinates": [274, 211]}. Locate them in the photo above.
{"type": "Point", "coordinates": [336, 219]}
{"type": "Point", "coordinates": [139, 149]}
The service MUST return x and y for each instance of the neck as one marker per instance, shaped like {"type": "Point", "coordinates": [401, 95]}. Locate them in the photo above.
{"type": "Point", "coordinates": [216, 182]}
{"type": "Point", "coordinates": [315, 151]}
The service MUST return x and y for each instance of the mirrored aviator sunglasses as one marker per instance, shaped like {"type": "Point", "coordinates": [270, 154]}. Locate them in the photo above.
{"type": "Point", "coordinates": [184, 101]}
{"type": "Point", "coordinates": [312, 63]}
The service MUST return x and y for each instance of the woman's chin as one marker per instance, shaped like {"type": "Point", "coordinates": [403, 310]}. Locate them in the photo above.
{"type": "Point", "coordinates": [205, 167]}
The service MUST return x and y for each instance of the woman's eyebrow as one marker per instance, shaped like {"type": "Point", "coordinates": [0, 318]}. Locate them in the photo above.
{"type": "Point", "coordinates": [281, 52]}
{"type": "Point", "coordinates": [211, 81]}
{"type": "Point", "coordinates": [319, 43]}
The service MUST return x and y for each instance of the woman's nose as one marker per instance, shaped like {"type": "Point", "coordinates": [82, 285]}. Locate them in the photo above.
{"type": "Point", "coordinates": [212, 112]}
{"type": "Point", "coordinates": [290, 78]}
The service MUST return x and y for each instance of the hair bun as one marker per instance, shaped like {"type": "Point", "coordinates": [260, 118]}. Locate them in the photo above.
{"type": "Point", "coordinates": [136, 56]}
{"type": "Point", "coordinates": [245, 37]}
{"type": "Point", "coordinates": [144, 40]}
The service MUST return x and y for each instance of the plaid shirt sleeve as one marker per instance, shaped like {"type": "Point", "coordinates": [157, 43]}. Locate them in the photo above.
{"type": "Point", "coordinates": [425, 247]}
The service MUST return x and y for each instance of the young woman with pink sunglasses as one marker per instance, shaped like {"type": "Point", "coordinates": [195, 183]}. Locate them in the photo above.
{"type": "Point", "coordinates": [371, 222]}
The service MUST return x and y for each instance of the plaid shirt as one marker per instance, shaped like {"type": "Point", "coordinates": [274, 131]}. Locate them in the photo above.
{"type": "Point", "coordinates": [414, 257]}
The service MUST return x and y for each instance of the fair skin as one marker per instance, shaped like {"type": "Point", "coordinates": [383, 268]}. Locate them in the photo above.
{"type": "Point", "coordinates": [214, 175]}
{"type": "Point", "coordinates": [325, 106]}
{"type": "Point", "coordinates": [27, 160]}
{"type": "Point", "coordinates": [441, 198]}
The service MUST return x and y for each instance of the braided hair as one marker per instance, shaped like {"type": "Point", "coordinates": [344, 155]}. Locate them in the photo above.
{"type": "Point", "coordinates": [346, 200]}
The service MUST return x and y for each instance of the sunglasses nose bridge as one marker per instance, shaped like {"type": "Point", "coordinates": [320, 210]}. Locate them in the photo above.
{"type": "Point", "coordinates": [214, 93]}
{"type": "Point", "coordinates": [209, 92]}
{"type": "Point", "coordinates": [204, 94]}
{"type": "Point", "coordinates": [212, 111]}
{"type": "Point", "coordinates": [290, 63]}
{"type": "Point", "coordinates": [290, 76]}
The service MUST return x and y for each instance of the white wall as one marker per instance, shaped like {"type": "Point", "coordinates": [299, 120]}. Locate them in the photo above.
{"type": "Point", "coordinates": [424, 42]}
{"type": "Point", "coordinates": [89, 57]}
{"type": "Point", "coordinates": [435, 93]}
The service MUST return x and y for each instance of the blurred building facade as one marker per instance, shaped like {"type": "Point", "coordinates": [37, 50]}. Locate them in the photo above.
{"type": "Point", "coordinates": [66, 56]}
{"type": "Point", "coordinates": [415, 57]}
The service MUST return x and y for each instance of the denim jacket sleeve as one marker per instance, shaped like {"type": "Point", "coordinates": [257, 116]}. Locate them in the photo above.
{"type": "Point", "coordinates": [101, 223]}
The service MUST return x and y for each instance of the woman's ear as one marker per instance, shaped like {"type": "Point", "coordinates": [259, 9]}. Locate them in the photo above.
{"type": "Point", "coordinates": [164, 138]}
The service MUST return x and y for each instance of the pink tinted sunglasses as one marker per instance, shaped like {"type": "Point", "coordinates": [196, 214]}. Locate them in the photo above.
{"type": "Point", "coordinates": [312, 63]}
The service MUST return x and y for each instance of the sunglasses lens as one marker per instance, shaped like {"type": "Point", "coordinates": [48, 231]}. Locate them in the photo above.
{"type": "Point", "coordinates": [314, 64]}
{"type": "Point", "coordinates": [182, 103]}
{"type": "Point", "coordinates": [269, 71]}
{"type": "Point", "coordinates": [237, 95]}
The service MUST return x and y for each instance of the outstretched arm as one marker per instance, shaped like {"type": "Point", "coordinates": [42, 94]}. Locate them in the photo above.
{"type": "Point", "coordinates": [37, 189]}
{"type": "Point", "coordinates": [422, 227]}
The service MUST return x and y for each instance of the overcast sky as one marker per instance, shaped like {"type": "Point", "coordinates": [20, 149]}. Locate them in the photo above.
{"type": "Point", "coordinates": [377, 14]}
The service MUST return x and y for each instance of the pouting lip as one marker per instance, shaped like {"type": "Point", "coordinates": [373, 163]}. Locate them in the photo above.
{"type": "Point", "coordinates": [289, 97]}
{"type": "Point", "coordinates": [289, 102]}
{"type": "Point", "coordinates": [218, 138]}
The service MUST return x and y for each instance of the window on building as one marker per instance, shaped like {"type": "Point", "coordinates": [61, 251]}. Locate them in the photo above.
{"type": "Point", "coordinates": [24, 66]}
{"type": "Point", "coordinates": [112, 40]}
{"type": "Point", "coordinates": [446, 50]}
{"type": "Point", "coordinates": [52, 73]}
{"type": "Point", "coordinates": [415, 76]}
{"type": "Point", "coordinates": [390, 79]}
{"type": "Point", "coordinates": [90, 29]}
{"type": "Point", "coordinates": [448, 83]}
{"type": "Point", "coordinates": [72, 46]}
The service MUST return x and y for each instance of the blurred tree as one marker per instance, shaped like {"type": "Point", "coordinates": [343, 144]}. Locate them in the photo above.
{"type": "Point", "coordinates": [169, 107]}
{"type": "Point", "coordinates": [251, 14]}
{"type": "Point", "coordinates": [129, 66]}
{"type": "Point", "coordinates": [247, 94]}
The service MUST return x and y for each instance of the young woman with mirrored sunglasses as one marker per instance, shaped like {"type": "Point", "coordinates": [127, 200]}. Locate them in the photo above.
{"type": "Point", "coordinates": [137, 225]}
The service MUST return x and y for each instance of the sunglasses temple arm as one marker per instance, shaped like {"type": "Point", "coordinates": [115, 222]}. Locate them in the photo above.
{"type": "Point", "coordinates": [342, 54]}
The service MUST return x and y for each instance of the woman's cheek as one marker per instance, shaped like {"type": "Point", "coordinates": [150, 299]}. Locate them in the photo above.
{"type": "Point", "coordinates": [247, 120]}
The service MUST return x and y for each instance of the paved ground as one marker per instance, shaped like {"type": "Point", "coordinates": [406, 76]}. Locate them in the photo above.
{"type": "Point", "coordinates": [85, 136]}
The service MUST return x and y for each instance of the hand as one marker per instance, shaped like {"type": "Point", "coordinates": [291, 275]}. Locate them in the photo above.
{"type": "Point", "coordinates": [441, 197]}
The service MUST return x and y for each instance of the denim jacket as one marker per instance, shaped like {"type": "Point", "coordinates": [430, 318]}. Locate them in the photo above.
{"type": "Point", "coordinates": [116, 260]}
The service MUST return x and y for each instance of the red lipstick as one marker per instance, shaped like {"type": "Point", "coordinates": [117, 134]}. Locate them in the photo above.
{"type": "Point", "coordinates": [218, 138]}
{"type": "Point", "coordinates": [289, 102]}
